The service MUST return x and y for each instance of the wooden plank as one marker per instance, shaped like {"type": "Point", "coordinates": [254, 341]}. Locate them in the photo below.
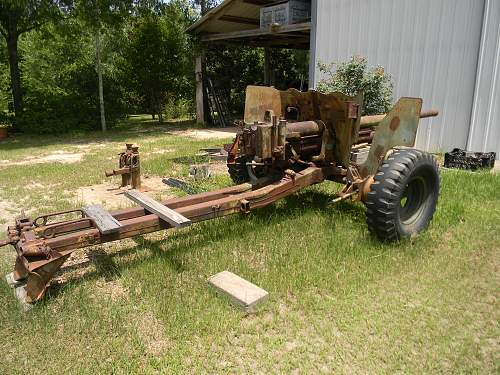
{"type": "Point", "coordinates": [240, 291]}
{"type": "Point", "coordinates": [163, 212]}
{"type": "Point", "coordinates": [273, 30]}
{"type": "Point", "coordinates": [105, 222]}
{"type": "Point", "coordinates": [237, 19]}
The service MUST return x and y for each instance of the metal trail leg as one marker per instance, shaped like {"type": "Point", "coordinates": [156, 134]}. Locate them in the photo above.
{"type": "Point", "coordinates": [20, 272]}
{"type": "Point", "coordinates": [39, 279]}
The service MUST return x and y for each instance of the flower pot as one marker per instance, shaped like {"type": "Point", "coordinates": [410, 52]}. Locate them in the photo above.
{"type": "Point", "coordinates": [3, 133]}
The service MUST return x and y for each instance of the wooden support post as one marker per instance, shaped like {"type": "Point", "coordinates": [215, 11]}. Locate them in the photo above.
{"type": "Point", "coordinates": [200, 93]}
{"type": "Point", "coordinates": [267, 66]}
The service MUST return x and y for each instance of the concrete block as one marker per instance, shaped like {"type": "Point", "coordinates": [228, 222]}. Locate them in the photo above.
{"type": "Point", "coordinates": [496, 167]}
{"type": "Point", "coordinates": [10, 280]}
{"type": "Point", "coordinates": [20, 292]}
{"type": "Point", "coordinates": [200, 171]}
{"type": "Point", "coordinates": [240, 291]}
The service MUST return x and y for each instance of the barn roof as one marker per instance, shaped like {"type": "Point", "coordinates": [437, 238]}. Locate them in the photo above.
{"type": "Point", "coordinates": [238, 21]}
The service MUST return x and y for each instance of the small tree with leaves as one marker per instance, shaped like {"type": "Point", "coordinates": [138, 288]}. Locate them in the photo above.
{"type": "Point", "coordinates": [157, 57]}
{"type": "Point", "coordinates": [98, 15]}
{"type": "Point", "coordinates": [354, 76]}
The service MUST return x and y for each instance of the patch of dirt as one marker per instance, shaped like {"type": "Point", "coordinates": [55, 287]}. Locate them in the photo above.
{"type": "Point", "coordinates": [59, 156]}
{"type": "Point", "coordinates": [219, 168]}
{"type": "Point", "coordinates": [161, 152]}
{"type": "Point", "coordinates": [206, 133]}
{"type": "Point", "coordinates": [38, 186]}
{"type": "Point", "coordinates": [113, 289]}
{"type": "Point", "coordinates": [151, 332]}
{"type": "Point", "coordinates": [110, 196]}
{"type": "Point", "coordinates": [88, 146]}
{"type": "Point", "coordinates": [8, 214]}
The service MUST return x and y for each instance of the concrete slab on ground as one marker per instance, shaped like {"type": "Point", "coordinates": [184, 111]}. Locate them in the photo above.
{"type": "Point", "coordinates": [240, 291]}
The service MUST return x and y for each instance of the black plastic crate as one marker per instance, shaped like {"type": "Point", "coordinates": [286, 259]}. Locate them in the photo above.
{"type": "Point", "coordinates": [461, 159]}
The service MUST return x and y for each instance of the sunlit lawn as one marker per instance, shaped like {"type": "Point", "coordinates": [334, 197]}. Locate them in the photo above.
{"type": "Point", "coordinates": [340, 301]}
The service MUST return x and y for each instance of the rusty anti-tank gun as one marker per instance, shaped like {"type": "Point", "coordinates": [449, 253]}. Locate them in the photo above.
{"type": "Point", "coordinates": [288, 140]}
{"type": "Point", "coordinates": [288, 131]}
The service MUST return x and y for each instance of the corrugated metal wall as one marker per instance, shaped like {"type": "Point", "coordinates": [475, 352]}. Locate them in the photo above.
{"type": "Point", "coordinates": [429, 47]}
{"type": "Point", "coordinates": [485, 125]}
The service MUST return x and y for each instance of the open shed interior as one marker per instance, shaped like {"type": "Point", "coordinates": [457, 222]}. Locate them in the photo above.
{"type": "Point", "coordinates": [266, 24]}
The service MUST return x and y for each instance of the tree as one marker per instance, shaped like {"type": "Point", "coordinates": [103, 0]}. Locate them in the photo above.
{"type": "Point", "coordinates": [5, 94]}
{"type": "Point", "coordinates": [157, 59]}
{"type": "Point", "coordinates": [16, 18]}
{"type": "Point", "coordinates": [98, 14]}
{"type": "Point", "coordinates": [59, 79]}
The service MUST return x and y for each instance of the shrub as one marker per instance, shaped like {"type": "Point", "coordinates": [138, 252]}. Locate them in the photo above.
{"type": "Point", "coordinates": [179, 108]}
{"type": "Point", "coordinates": [73, 106]}
{"type": "Point", "coordinates": [5, 119]}
{"type": "Point", "coordinates": [354, 76]}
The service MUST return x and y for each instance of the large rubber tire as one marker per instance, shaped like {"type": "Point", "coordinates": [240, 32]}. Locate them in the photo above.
{"type": "Point", "coordinates": [403, 196]}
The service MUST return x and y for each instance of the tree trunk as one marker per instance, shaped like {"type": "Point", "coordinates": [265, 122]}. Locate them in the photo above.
{"type": "Point", "coordinates": [99, 77]}
{"type": "Point", "coordinates": [15, 76]}
{"type": "Point", "coordinates": [159, 109]}
{"type": "Point", "coordinates": [200, 94]}
{"type": "Point", "coordinates": [203, 7]}
{"type": "Point", "coordinates": [267, 66]}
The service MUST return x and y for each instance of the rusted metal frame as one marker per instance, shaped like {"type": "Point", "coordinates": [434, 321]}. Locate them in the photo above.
{"type": "Point", "coordinates": [221, 206]}
{"type": "Point", "coordinates": [27, 242]}
{"type": "Point", "coordinates": [45, 218]}
{"type": "Point", "coordinates": [129, 213]}
{"type": "Point", "coordinates": [195, 212]}
{"type": "Point", "coordinates": [40, 271]}
{"type": "Point", "coordinates": [129, 167]}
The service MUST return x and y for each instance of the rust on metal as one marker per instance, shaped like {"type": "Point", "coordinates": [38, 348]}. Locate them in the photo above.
{"type": "Point", "coordinates": [288, 141]}
{"type": "Point", "coordinates": [340, 113]}
{"type": "Point", "coordinates": [129, 167]}
{"type": "Point", "coordinates": [394, 123]}
{"type": "Point", "coordinates": [397, 128]}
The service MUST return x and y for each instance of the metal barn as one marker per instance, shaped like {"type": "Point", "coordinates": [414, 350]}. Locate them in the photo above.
{"type": "Point", "coordinates": [447, 52]}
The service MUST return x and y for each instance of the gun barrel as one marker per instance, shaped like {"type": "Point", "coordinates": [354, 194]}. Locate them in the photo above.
{"type": "Point", "coordinates": [369, 121]}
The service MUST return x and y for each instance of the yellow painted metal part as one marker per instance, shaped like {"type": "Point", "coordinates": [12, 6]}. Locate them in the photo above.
{"type": "Point", "coordinates": [397, 128]}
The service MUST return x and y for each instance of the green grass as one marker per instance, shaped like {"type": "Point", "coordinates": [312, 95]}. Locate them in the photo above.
{"type": "Point", "coordinates": [340, 301]}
